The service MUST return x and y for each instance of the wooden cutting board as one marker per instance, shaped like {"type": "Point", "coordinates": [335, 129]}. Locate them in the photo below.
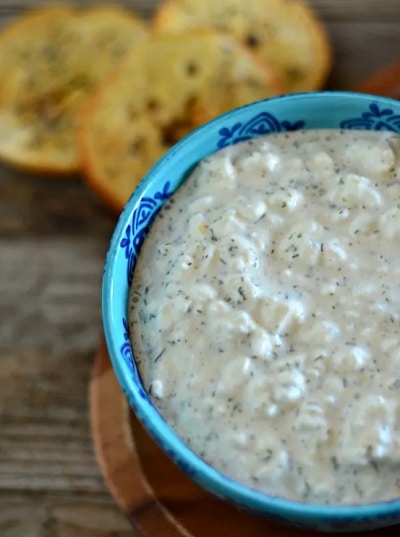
{"type": "Point", "coordinates": [385, 82]}
{"type": "Point", "coordinates": [154, 494]}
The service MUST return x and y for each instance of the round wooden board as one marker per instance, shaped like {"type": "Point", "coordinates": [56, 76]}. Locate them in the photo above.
{"type": "Point", "coordinates": [385, 82]}
{"type": "Point", "coordinates": [153, 493]}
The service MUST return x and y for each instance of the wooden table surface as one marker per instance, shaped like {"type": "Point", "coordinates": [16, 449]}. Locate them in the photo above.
{"type": "Point", "coordinates": [53, 237]}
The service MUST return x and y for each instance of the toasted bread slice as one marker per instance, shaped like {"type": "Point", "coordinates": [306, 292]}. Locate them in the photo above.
{"type": "Point", "coordinates": [283, 33]}
{"type": "Point", "coordinates": [169, 85]}
{"type": "Point", "coordinates": [50, 61]}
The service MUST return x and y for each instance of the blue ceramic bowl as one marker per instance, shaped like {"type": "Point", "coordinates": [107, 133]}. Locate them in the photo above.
{"type": "Point", "coordinates": [286, 113]}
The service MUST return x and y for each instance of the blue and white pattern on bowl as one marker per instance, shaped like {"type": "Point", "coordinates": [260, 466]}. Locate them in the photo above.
{"type": "Point", "coordinates": [286, 113]}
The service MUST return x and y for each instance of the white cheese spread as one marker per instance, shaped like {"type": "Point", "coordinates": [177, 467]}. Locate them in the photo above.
{"type": "Point", "coordinates": [265, 314]}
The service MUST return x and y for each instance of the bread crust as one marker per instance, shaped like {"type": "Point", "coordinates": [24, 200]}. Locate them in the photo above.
{"type": "Point", "coordinates": [169, 85]}
{"type": "Point", "coordinates": [285, 34]}
{"type": "Point", "coordinates": [51, 60]}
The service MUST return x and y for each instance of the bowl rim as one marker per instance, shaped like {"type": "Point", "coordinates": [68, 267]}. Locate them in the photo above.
{"type": "Point", "coordinates": [155, 424]}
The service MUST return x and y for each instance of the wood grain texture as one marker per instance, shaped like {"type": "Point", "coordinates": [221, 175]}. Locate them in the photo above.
{"type": "Point", "coordinates": [53, 237]}
{"type": "Point", "coordinates": [43, 207]}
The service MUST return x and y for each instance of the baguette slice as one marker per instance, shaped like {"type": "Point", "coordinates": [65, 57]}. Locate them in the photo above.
{"type": "Point", "coordinates": [285, 34]}
{"type": "Point", "coordinates": [50, 61]}
{"type": "Point", "coordinates": [169, 85]}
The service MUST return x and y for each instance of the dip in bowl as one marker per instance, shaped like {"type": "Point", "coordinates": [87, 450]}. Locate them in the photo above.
{"type": "Point", "coordinates": [355, 201]}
